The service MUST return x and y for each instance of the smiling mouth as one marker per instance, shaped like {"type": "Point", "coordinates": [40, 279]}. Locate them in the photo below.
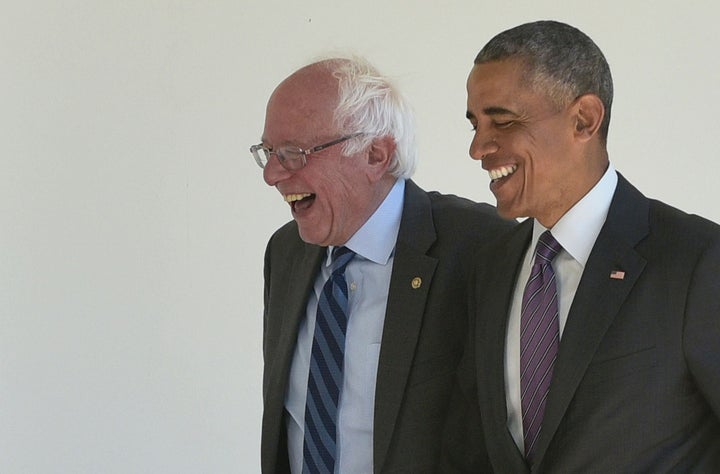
{"type": "Point", "coordinates": [290, 198]}
{"type": "Point", "coordinates": [501, 172]}
{"type": "Point", "coordinates": [299, 201]}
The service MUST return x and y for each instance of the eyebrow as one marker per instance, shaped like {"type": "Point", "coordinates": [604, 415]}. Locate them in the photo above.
{"type": "Point", "coordinates": [492, 111]}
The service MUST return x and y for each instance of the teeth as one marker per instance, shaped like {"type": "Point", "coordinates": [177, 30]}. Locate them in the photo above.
{"type": "Point", "coordinates": [501, 172]}
{"type": "Point", "coordinates": [296, 197]}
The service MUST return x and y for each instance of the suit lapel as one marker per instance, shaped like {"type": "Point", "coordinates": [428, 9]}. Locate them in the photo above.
{"type": "Point", "coordinates": [303, 270]}
{"type": "Point", "coordinates": [491, 333]}
{"type": "Point", "coordinates": [404, 313]}
{"type": "Point", "coordinates": [597, 301]}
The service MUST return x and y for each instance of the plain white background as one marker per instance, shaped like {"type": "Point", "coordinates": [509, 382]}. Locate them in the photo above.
{"type": "Point", "coordinates": [133, 220]}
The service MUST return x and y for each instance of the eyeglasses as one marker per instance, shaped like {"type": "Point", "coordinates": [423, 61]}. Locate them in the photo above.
{"type": "Point", "coordinates": [292, 158]}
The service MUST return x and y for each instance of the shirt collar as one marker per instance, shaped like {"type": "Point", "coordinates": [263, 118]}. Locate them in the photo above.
{"type": "Point", "coordinates": [578, 229]}
{"type": "Point", "coordinates": [375, 240]}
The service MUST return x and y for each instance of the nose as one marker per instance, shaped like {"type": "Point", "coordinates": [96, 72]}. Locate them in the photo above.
{"type": "Point", "coordinates": [482, 144]}
{"type": "Point", "coordinates": [274, 172]}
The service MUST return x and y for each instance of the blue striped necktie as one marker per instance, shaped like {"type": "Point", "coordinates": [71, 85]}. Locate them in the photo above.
{"type": "Point", "coordinates": [539, 339]}
{"type": "Point", "coordinates": [326, 369]}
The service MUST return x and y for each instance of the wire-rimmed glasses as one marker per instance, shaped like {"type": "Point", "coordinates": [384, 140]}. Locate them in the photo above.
{"type": "Point", "coordinates": [292, 158]}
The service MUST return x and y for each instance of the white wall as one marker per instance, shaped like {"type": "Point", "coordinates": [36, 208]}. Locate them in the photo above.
{"type": "Point", "coordinates": [133, 219]}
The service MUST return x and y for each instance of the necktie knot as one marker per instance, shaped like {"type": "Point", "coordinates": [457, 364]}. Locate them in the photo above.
{"type": "Point", "coordinates": [341, 256]}
{"type": "Point", "coordinates": [547, 248]}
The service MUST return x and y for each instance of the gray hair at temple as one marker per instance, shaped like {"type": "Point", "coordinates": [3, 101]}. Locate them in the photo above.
{"type": "Point", "coordinates": [371, 104]}
{"type": "Point", "coordinates": [560, 60]}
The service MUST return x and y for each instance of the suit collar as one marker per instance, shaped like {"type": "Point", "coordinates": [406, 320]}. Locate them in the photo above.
{"type": "Point", "coordinates": [579, 228]}
{"type": "Point", "coordinates": [416, 226]}
{"type": "Point", "coordinates": [303, 270]}
{"type": "Point", "coordinates": [404, 314]}
{"type": "Point", "coordinates": [375, 240]}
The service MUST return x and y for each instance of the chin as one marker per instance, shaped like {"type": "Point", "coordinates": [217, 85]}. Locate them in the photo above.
{"type": "Point", "coordinates": [308, 237]}
{"type": "Point", "coordinates": [506, 213]}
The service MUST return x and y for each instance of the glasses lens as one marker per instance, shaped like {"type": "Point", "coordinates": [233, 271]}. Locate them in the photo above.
{"type": "Point", "coordinates": [292, 158]}
{"type": "Point", "coordinates": [261, 155]}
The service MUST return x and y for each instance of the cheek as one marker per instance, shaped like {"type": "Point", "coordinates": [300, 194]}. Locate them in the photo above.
{"type": "Point", "coordinates": [334, 197]}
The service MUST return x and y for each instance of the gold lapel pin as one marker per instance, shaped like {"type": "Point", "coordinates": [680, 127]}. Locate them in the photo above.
{"type": "Point", "coordinates": [416, 283]}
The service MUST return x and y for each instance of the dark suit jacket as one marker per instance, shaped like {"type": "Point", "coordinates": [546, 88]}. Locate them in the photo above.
{"type": "Point", "coordinates": [422, 337]}
{"type": "Point", "coordinates": [636, 384]}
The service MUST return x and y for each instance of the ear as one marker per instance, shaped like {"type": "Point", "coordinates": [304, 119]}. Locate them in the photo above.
{"type": "Point", "coordinates": [380, 156]}
{"type": "Point", "coordinates": [588, 112]}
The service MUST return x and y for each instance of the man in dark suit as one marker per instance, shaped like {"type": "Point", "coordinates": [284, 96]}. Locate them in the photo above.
{"type": "Point", "coordinates": [602, 353]}
{"type": "Point", "coordinates": [383, 407]}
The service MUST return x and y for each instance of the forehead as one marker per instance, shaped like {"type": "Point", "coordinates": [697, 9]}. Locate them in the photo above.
{"type": "Point", "coordinates": [500, 84]}
{"type": "Point", "coordinates": [302, 106]}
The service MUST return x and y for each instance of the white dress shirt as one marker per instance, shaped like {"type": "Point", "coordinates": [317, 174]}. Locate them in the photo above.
{"type": "Point", "coordinates": [368, 278]}
{"type": "Point", "coordinates": [576, 231]}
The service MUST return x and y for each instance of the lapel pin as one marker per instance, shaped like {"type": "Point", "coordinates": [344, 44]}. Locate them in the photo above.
{"type": "Point", "coordinates": [416, 283]}
{"type": "Point", "coordinates": [617, 275]}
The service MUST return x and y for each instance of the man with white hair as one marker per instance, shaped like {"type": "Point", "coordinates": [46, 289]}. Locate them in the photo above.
{"type": "Point", "coordinates": [365, 290]}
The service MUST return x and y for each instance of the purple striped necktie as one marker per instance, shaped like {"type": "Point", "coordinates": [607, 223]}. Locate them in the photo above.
{"type": "Point", "coordinates": [539, 339]}
{"type": "Point", "coordinates": [326, 369]}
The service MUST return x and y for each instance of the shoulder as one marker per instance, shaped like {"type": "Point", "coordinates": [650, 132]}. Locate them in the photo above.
{"type": "Point", "coordinates": [285, 234]}
{"type": "Point", "coordinates": [664, 220]}
{"type": "Point", "coordinates": [463, 226]}
{"type": "Point", "coordinates": [681, 228]}
{"type": "Point", "coordinates": [679, 244]}
{"type": "Point", "coordinates": [660, 227]}
{"type": "Point", "coordinates": [283, 243]}
{"type": "Point", "coordinates": [432, 218]}
{"type": "Point", "coordinates": [453, 211]}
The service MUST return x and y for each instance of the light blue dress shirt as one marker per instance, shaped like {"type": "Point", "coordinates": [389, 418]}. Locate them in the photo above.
{"type": "Point", "coordinates": [576, 231]}
{"type": "Point", "coordinates": [368, 278]}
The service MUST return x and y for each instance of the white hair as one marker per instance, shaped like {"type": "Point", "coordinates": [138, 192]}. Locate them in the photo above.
{"type": "Point", "coordinates": [370, 104]}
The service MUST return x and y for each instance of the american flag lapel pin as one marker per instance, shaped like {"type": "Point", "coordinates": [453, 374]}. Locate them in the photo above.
{"type": "Point", "coordinates": [617, 275]}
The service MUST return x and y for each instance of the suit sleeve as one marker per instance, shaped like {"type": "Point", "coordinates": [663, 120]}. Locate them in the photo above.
{"type": "Point", "coordinates": [702, 325]}
{"type": "Point", "coordinates": [463, 443]}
